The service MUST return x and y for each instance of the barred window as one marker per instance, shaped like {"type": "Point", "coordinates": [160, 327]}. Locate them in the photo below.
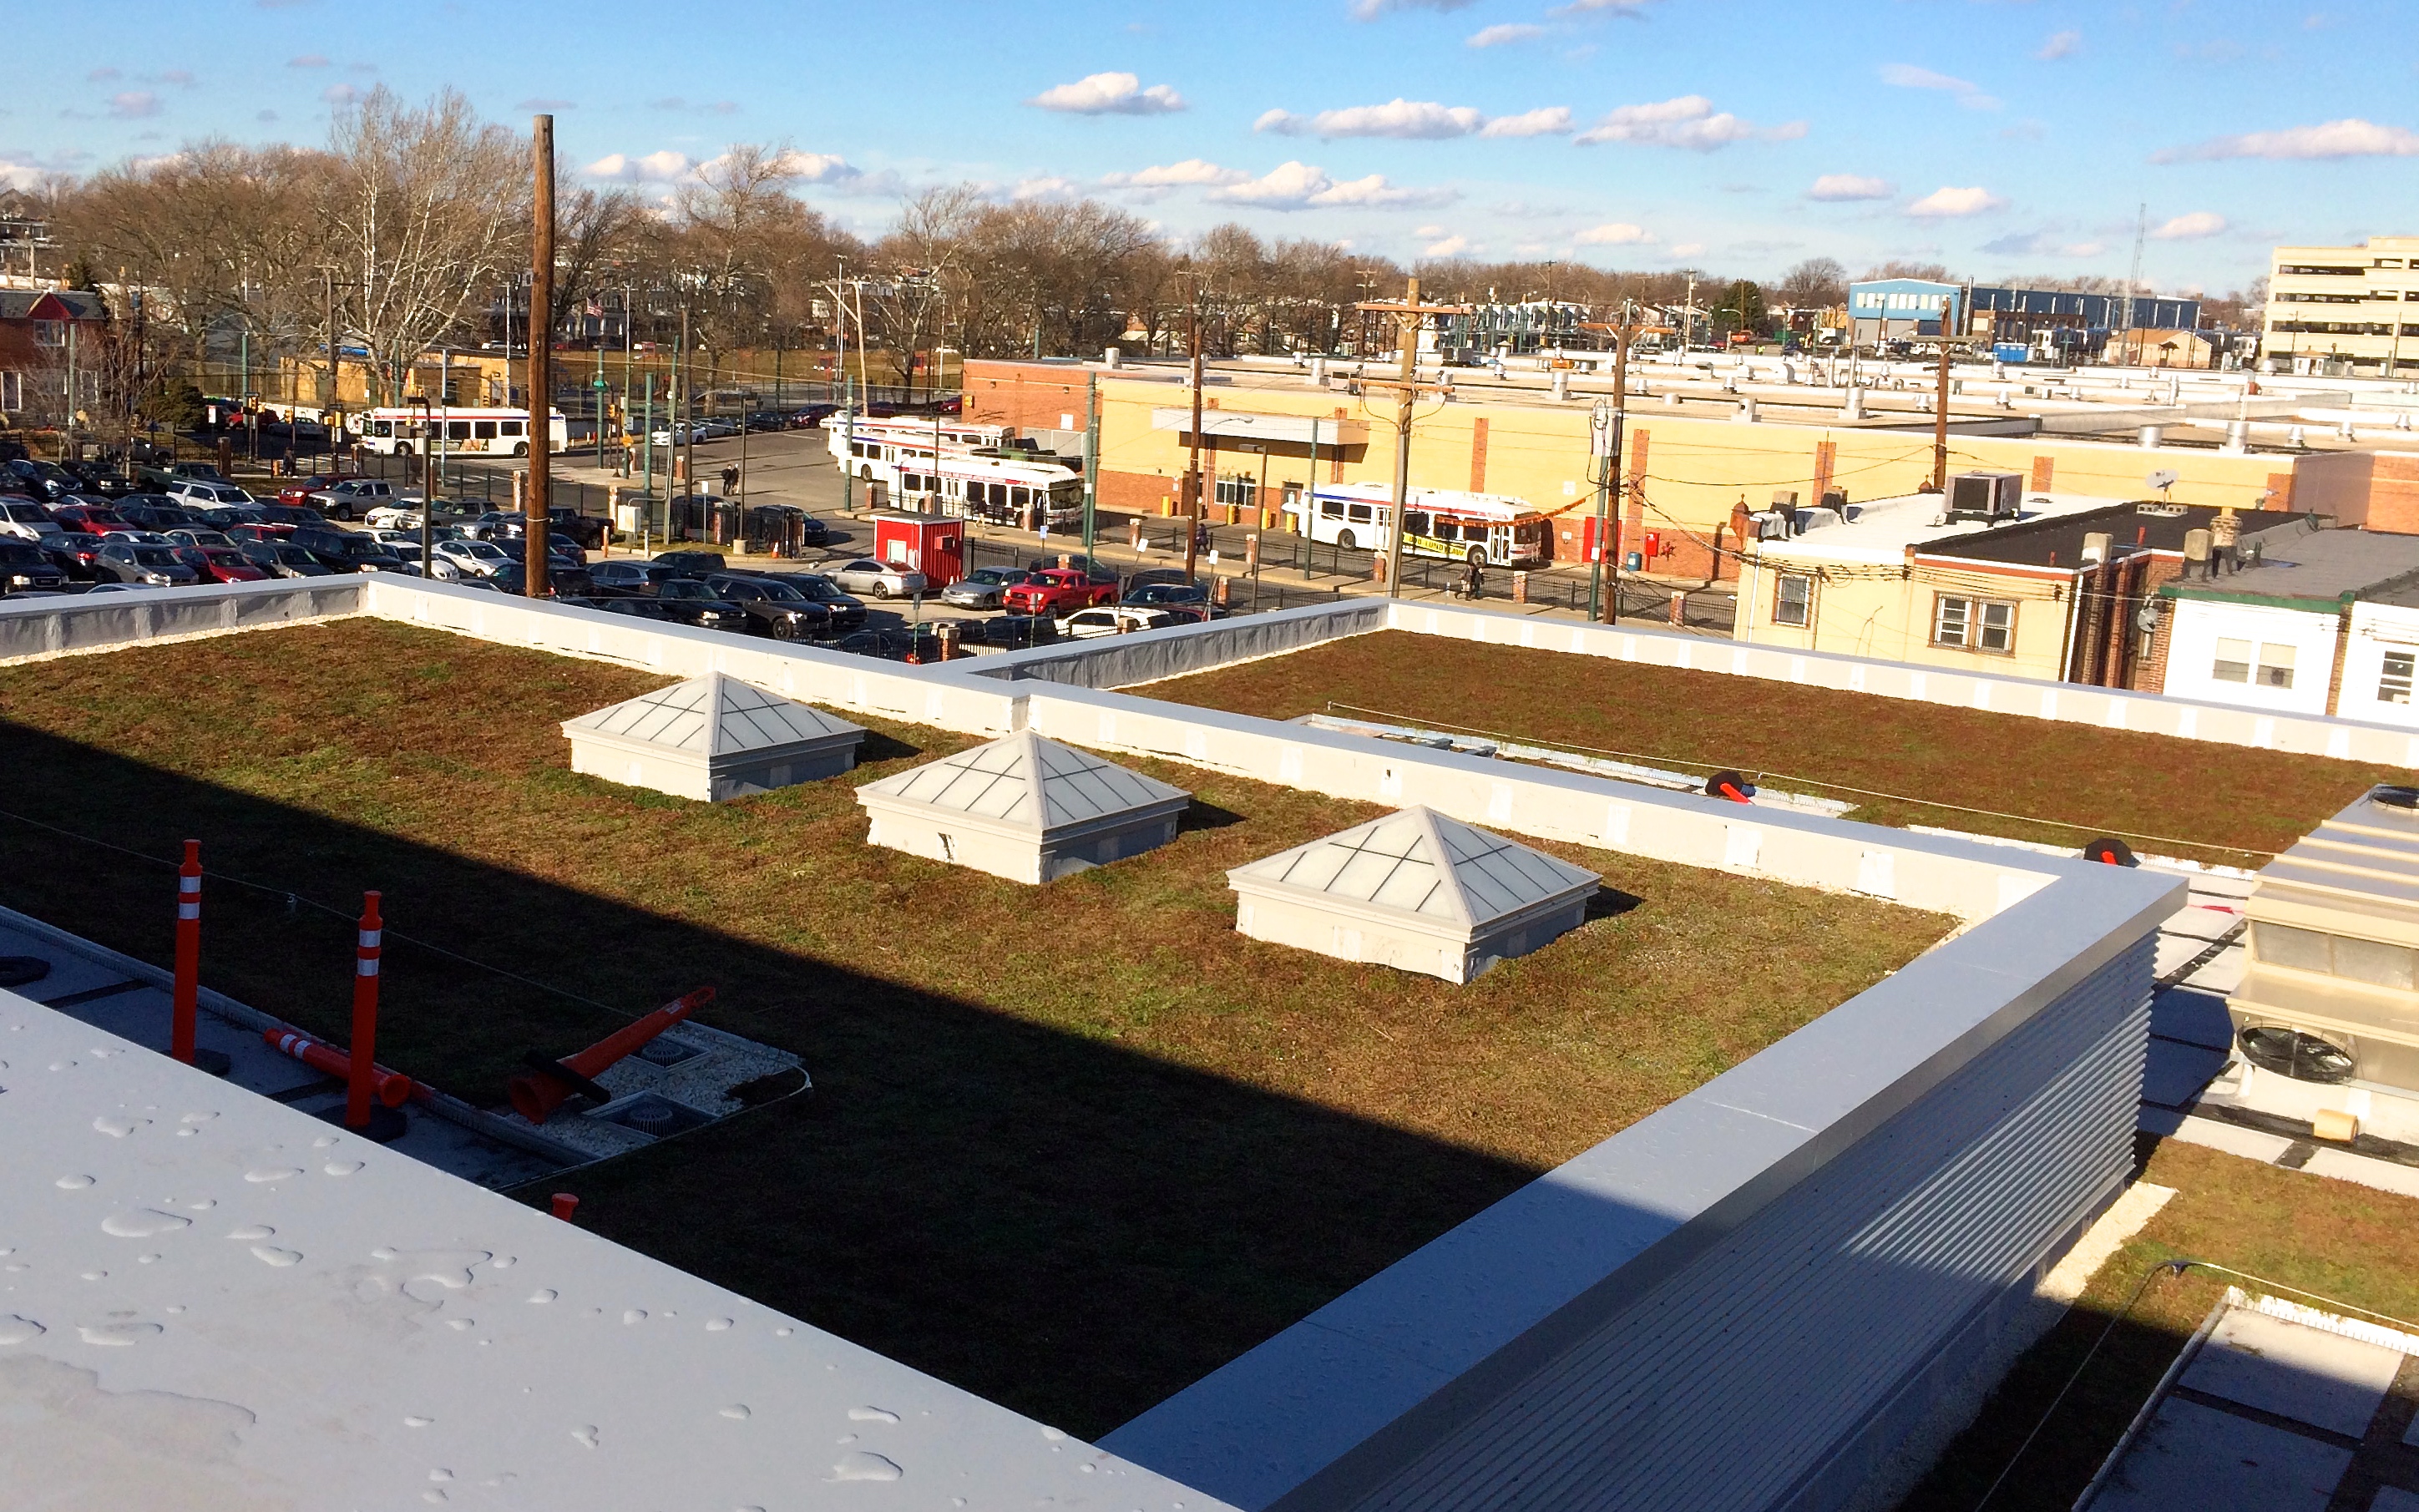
{"type": "Point", "coordinates": [2393, 685]}
{"type": "Point", "coordinates": [1793, 600]}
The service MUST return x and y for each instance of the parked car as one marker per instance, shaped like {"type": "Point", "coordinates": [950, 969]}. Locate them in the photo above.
{"type": "Point", "coordinates": [299, 491]}
{"type": "Point", "coordinates": [983, 587]}
{"type": "Point", "coordinates": [351, 498]}
{"type": "Point", "coordinates": [43, 480]}
{"type": "Point", "coordinates": [278, 560]}
{"type": "Point", "coordinates": [98, 481]}
{"type": "Point", "coordinates": [773, 607]}
{"type": "Point", "coordinates": [346, 551]}
{"type": "Point", "coordinates": [761, 420]}
{"type": "Point", "coordinates": [73, 553]}
{"type": "Point", "coordinates": [89, 518]}
{"type": "Point", "coordinates": [1059, 591]}
{"type": "Point", "coordinates": [24, 565]}
{"type": "Point", "coordinates": [847, 612]}
{"type": "Point", "coordinates": [559, 553]}
{"type": "Point", "coordinates": [1115, 618]}
{"type": "Point", "coordinates": [629, 580]}
{"type": "Point", "coordinates": [715, 426]}
{"type": "Point", "coordinates": [25, 520]}
{"type": "Point", "coordinates": [495, 525]}
{"type": "Point", "coordinates": [1148, 576]}
{"type": "Point", "coordinates": [914, 644]}
{"type": "Point", "coordinates": [692, 602]}
{"type": "Point", "coordinates": [1011, 632]}
{"type": "Point", "coordinates": [205, 493]}
{"type": "Point", "coordinates": [291, 517]}
{"type": "Point", "coordinates": [475, 559]}
{"type": "Point", "coordinates": [1189, 601]}
{"type": "Point", "coordinates": [227, 517]}
{"type": "Point", "coordinates": [150, 515]}
{"type": "Point", "coordinates": [393, 518]}
{"type": "Point", "coordinates": [154, 566]}
{"type": "Point", "coordinates": [200, 537]}
{"type": "Point", "coordinates": [807, 417]}
{"type": "Point", "coordinates": [160, 474]}
{"type": "Point", "coordinates": [563, 583]}
{"type": "Point", "coordinates": [567, 573]}
{"type": "Point", "coordinates": [220, 565]}
{"type": "Point", "coordinates": [880, 579]}
{"type": "Point", "coordinates": [588, 530]}
{"type": "Point", "coordinates": [675, 434]}
{"type": "Point", "coordinates": [639, 609]}
{"type": "Point", "coordinates": [139, 537]}
{"type": "Point", "coordinates": [698, 564]}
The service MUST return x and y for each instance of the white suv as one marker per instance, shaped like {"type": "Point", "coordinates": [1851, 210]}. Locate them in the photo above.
{"type": "Point", "coordinates": [355, 497]}
{"type": "Point", "coordinates": [26, 521]}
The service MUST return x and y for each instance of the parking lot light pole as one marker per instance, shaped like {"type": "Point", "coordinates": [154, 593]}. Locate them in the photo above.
{"type": "Point", "coordinates": [541, 366]}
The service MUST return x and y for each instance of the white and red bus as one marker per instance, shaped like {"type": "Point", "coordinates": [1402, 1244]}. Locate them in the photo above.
{"type": "Point", "coordinates": [1493, 530]}
{"type": "Point", "coordinates": [1004, 490]}
{"type": "Point", "coordinates": [466, 432]}
{"type": "Point", "coordinates": [872, 448]}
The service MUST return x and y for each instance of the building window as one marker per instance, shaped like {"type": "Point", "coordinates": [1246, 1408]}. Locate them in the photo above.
{"type": "Point", "coordinates": [1975, 624]}
{"type": "Point", "coordinates": [12, 391]}
{"type": "Point", "coordinates": [2275, 666]}
{"type": "Point", "coordinates": [2263, 664]}
{"type": "Point", "coordinates": [50, 332]}
{"type": "Point", "coordinates": [2394, 685]}
{"type": "Point", "coordinates": [1793, 600]}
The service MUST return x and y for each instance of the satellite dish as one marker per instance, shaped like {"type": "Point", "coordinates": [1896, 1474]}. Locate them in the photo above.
{"type": "Point", "coordinates": [2163, 478]}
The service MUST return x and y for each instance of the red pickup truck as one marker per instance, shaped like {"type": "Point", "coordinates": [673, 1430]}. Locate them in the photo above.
{"type": "Point", "coordinates": [1056, 591]}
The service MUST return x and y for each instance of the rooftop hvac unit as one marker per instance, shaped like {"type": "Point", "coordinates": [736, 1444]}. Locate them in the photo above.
{"type": "Point", "coordinates": [1986, 496]}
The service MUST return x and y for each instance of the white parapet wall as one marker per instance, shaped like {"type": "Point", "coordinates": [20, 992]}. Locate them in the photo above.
{"type": "Point", "coordinates": [1750, 1299]}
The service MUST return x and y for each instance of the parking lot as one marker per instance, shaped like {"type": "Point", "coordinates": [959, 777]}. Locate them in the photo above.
{"type": "Point", "coordinates": [164, 526]}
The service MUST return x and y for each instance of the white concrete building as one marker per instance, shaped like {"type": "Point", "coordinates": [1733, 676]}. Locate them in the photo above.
{"type": "Point", "coordinates": [713, 738]}
{"type": "Point", "coordinates": [1022, 808]}
{"type": "Point", "coordinates": [2381, 659]}
{"type": "Point", "coordinates": [1414, 890]}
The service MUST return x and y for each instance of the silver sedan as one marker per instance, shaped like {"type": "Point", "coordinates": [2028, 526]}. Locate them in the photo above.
{"type": "Point", "coordinates": [981, 588]}
{"type": "Point", "coordinates": [880, 579]}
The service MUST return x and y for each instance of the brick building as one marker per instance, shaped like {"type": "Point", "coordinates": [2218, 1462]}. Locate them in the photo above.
{"type": "Point", "coordinates": [45, 336]}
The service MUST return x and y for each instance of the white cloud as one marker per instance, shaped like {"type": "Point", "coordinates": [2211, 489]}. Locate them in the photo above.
{"type": "Point", "coordinates": [19, 175]}
{"type": "Point", "coordinates": [1615, 234]}
{"type": "Point", "coordinates": [1946, 202]}
{"type": "Point", "coordinates": [1049, 187]}
{"type": "Point", "coordinates": [1415, 120]}
{"type": "Point", "coordinates": [1448, 247]}
{"type": "Point", "coordinates": [1299, 186]}
{"type": "Point", "coordinates": [308, 60]}
{"type": "Point", "coordinates": [1632, 9]}
{"type": "Point", "coordinates": [654, 168]}
{"type": "Point", "coordinates": [1109, 94]}
{"type": "Point", "coordinates": [818, 167]}
{"type": "Point", "coordinates": [133, 104]}
{"type": "Point", "coordinates": [1849, 185]}
{"type": "Point", "coordinates": [2349, 138]}
{"type": "Point", "coordinates": [2060, 44]}
{"type": "Point", "coordinates": [540, 104]}
{"type": "Point", "coordinates": [1682, 251]}
{"type": "Point", "coordinates": [183, 77]}
{"type": "Point", "coordinates": [342, 95]}
{"type": "Point", "coordinates": [1498, 36]}
{"type": "Point", "coordinates": [1372, 9]}
{"type": "Point", "coordinates": [1907, 76]}
{"type": "Point", "coordinates": [1689, 121]}
{"type": "Point", "coordinates": [1191, 173]}
{"type": "Point", "coordinates": [1548, 120]}
{"type": "Point", "coordinates": [2040, 244]}
{"type": "Point", "coordinates": [1410, 120]}
{"type": "Point", "coordinates": [2191, 228]}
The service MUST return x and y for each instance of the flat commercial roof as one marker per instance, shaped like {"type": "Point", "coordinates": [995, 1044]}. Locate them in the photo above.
{"type": "Point", "coordinates": [2325, 566]}
{"type": "Point", "coordinates": [212, 1299]}
{"type": "Point", "coordinates": [1883, 530]}
{"type": "Point", "coordinates": [2145, 525]}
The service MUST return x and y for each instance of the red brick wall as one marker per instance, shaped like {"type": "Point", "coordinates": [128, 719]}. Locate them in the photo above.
{"type": "Point", "coordinates": [2045, 469]}
{"type": "Point", "coordinates": [1478, 454]}
{"type": "Point", "coordinates": [2394, 493]}
{"type": "Point", "coordinates": [2280, 490]}
{"type": "Point", "coordinates": [1028, 395]}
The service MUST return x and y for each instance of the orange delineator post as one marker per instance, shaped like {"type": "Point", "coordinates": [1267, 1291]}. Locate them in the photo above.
{"type": "Point", "coordinates": [187, 987]}
{"type": "Point", "coordinates": [393, 1088]}
{"type": "Point", "coordinates": [536, 1093]}
{"type": "Point", "coordinates": [365, 985]}
{"type": "Point", "coordinates": [1733, 793]}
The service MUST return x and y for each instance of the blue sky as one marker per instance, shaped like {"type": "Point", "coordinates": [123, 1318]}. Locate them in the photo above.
{"type": "Point", "coordinates": [1737, 135]}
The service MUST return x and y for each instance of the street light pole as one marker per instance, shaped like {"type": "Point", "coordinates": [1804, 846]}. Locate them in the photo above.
{"type": "Point", "coordinates": [540, 362]}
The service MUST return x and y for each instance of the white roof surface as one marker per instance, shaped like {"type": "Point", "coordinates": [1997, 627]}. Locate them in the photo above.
{"type": "Point", "coordinates": [1881, 532]}
{"type": "Point", "coordinates": [712, 716]}
{"type": "Point", "coordinates": [1025, 781]}
{"type": "Point", "coordinates": [1420, 862]}
{"type": "Point", "coordinates": [210, 1301]}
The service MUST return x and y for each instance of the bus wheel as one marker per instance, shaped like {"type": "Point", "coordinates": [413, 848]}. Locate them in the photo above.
{"type": "Point", "coordinates": [1344, 541]}
{"type": "Point", "coordinates": [1476, 557]}
{"type": "Point", "coordinates": [403, 448]}
{"type": "Point", "coordinates": [521, 448]}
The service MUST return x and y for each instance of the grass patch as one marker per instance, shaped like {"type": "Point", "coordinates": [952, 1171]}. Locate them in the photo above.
{"type": "Point", "coordinates": [1069, 1147]}
{"type": "Point", "coordinates": [2347, 1242]}
{"type": "Point", "coordinates": [2229, 804]}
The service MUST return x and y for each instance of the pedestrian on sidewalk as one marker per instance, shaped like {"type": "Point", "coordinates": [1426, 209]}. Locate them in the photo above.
{"type": "Point", "coordinates": [730, 483]}
{"type": "Point", "coordinates": [1473, 580]}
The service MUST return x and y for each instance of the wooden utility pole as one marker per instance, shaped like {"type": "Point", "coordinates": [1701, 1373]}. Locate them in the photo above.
{"type": "Point", "coordinates": [1940, 407]}
{"type": "Point", "coordinates": [541, 361]}
{"type": "Point", "coordinates": [1408, 314]}
{"type": "Point", "coordinates": [1608, 544]}
{"type": "Point", "coordinates": [1192, 468]}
